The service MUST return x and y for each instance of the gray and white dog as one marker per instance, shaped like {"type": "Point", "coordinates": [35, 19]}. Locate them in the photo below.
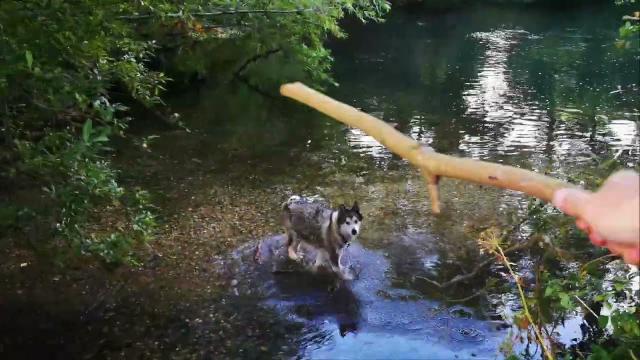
{"type": "Point", "coordinates": [312, 220]}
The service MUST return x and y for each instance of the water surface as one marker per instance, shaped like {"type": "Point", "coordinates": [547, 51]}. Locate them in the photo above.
{"type": "Point", "coordinates": [527, 87]}
{"type": "Point", "coordinates": [533, 88]}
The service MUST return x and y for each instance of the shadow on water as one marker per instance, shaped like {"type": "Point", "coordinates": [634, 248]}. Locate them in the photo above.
{"type": "Point", "coordinates": [365, 318]}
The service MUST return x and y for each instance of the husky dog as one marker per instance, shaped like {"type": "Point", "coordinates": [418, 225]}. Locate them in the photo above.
{"type": "Point", "coordinates": [329, 230]}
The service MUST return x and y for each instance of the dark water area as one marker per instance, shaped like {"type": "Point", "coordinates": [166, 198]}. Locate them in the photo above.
{"type": "Point", "coordinates": [370, 317]}
{"type": "Point", "coordinates": [541, 89]}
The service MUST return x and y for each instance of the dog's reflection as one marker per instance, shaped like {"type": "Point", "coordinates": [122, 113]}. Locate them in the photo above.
{"type": "Point", "coordinates": [315, 294]}
{"type": "Point", "coordinates": [320, 296]}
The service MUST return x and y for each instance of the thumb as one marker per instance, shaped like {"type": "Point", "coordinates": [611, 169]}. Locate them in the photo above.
{"type": "Point", "coordinates": [572, 202]}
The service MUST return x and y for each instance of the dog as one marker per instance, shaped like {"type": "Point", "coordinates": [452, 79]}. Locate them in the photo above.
{"type": "Point", "coordinates": [312, 220]}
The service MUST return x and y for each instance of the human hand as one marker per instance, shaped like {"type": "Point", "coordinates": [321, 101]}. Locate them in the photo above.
{"type": "Point", "coordinates": [611, 215]}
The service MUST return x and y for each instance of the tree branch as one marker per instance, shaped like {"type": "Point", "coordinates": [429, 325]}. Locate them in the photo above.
{"type": "Point", "coordinates": [255, 58]}
{"type": "Point", "coordinates": [238, 74]}
{"type": "Point", "coordinates": [459, 278]}
{"type": "Point", "coordinates": [428, 161]}
{"type": "Point", "coordinates": [217, 13]}
{"type": "Point", "coordinates": [465, 299]}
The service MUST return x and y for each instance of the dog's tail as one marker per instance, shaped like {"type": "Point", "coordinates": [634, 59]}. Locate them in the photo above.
{"type": "Point", "coordinates": [286, 214]}
{"type": "Point", "coordinates": [285, 205]}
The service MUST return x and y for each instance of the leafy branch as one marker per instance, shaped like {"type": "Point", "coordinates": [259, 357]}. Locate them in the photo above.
{"type": "Point", "coordinates": [218, 13]}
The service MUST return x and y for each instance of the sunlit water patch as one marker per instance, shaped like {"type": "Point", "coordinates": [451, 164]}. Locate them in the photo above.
{"type": "Point", "coordinates": [494, 98]}
{"type": "Point", "coordinates": [365, 318]}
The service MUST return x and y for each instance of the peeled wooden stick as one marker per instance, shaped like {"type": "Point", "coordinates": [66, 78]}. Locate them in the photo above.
{"type": "Point", "coordinates": [432, 164]}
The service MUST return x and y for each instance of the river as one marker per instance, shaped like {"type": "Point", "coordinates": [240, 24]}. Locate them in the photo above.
{"type": "Point", "coordinates": [540, 89]}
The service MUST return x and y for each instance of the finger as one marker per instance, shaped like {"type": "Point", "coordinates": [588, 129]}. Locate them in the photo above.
{"type": "Point", "coordinates": [632, 256]}
{"type": "Point", "coordinates": [571, 201]}
{"type": "Point", "coordinates": [618, 249]}
{"type": "Point", "coordinates": [582, 225]}
{"type": "Point", "coordinates": [624, 178]}
{"type": "Point", "coordinates": [596, 239]}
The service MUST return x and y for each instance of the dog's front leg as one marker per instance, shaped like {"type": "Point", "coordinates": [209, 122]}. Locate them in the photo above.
{"type": "Point", "coordinates": [344, 271]}
{"type": "Point", "coordinates": [322, 259]}
{"type": "Point", "coordinates": [293, 244]}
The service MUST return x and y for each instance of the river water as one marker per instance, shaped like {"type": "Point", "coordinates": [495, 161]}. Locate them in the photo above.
{"type": "Point", "coordinates": [542, 90]}
{"type": "Point", "coordinates": [539, 89]}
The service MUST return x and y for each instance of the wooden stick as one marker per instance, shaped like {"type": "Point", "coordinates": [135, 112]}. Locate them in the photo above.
{"type": "Point", "coordinates": [432, 187]}
{"type": "Point", "coordinates": [432, 164]}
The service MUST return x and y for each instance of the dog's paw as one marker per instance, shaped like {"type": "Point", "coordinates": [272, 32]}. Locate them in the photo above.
{"type": "Point", "coordinates": [347, 274]}
{"type": "Point", "coordinates": [293, 255]}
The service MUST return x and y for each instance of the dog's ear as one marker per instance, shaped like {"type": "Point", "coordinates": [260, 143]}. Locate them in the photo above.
{"type": "Point", "coordinates": [356, 209]}
{"type": "Point", "coordinates": [342, 214]}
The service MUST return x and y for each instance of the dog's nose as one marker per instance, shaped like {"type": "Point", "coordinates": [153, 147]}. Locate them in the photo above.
{"type": "Point", "coordinates": [354, 232]}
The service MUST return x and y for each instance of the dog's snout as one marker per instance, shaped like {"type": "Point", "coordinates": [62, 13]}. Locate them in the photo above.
{"type": "Point", "coordinates": [354, 232]}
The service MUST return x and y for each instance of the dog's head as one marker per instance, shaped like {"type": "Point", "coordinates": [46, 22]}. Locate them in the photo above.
{"type": "Point", "coordinates": [349, 221]}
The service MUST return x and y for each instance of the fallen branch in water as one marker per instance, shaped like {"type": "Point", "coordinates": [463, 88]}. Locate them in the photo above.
{"type": "Point", "coordinates": [465, 299]}
{"type": "Point", "coordinates": [432, 165]}
{"type": "Point", "coordinates": [459, 278]}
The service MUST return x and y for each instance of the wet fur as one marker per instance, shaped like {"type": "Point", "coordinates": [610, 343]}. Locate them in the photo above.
{"type": "Point", "coordinates": [329, 230]}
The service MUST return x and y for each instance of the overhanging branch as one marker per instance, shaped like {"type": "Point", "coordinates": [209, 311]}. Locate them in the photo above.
{"type": "Point", "coordinates": [218, 13]}
{"type": "Point", "coordinates": [239, 73]}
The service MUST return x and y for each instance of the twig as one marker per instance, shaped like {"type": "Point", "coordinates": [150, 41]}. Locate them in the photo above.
{"type": "Point", "coordinates": [476, 294]}
{"type": "Point", "coordinates": [587, 306]}
{"type": "Point", "coordinates": [458, 278]}
{"type": "Point", "coordinates": [523, 299]}
{"type": "Point", "coordinates": [238, 74]}
{"type": "Point", "coordinates": [255, 58]}
{"type": "Point", "coordinates": [217, 13]}
{"type": "Point", "coordinates": [427, 160]}
{"type": "Point", "coordinates": [583, 267]}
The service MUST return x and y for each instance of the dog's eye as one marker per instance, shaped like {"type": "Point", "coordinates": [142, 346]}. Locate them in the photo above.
{"type": "Point", "coordinates": [355, 221]}
{"type": "Point", "coordinates": [348, 223]}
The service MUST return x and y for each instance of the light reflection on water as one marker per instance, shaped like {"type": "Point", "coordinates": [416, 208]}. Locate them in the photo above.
{"type": "Point", "coordinates": [514, 121]}
{"type": "Point", "coordinates": [503, 116]}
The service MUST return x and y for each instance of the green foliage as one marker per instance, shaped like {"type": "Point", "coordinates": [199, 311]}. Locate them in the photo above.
{"type": "Point", "coordinates": [82, 185]}
{"type": "Point", "coordinates": [629, 31]}
{"type": "Point", "coordinates": [571, 282]}
{"type": "Point", "coordinates": [62, 62]}
{"type": "Point", "coordinates": [628, 35]}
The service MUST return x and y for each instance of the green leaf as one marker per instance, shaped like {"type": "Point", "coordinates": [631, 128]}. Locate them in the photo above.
{"type": "Point", "coordinates": [86, 131]}
{"type": "Point", "coordinates": [599, 353]}
{"type": "Point", "coordinates": [565, 301]}
{"type": "Point", "coordinates": [29, 56]}
{"type": "Point", "coordinates": [619, 286]}
{"type": "Point", "coordinates": [603, 321]}
{"type": "Point", "coordinates": [549, 291]}
{"type": "Point", "coordinates": [100, 138]}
